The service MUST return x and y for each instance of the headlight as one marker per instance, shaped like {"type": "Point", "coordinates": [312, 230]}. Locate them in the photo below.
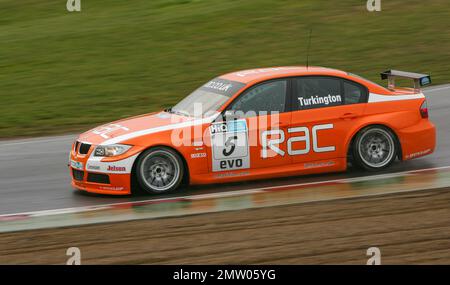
{"type": "Point", "coordinates": [111, 150]}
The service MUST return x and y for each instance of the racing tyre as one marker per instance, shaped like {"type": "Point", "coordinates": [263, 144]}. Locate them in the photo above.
{"type": "Point", "coordinates": [375, 148]}
{"type": "Point", "coordinates": [159, 170]}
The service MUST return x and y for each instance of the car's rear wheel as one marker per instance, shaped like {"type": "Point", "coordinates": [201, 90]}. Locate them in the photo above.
{"type": "Point", "coordinates": [375, 148]}
{"type": "Point", "coordinates": [159, 170]}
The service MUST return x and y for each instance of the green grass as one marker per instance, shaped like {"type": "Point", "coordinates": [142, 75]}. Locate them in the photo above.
{"type": "Point", "coordinates": [63, 72]}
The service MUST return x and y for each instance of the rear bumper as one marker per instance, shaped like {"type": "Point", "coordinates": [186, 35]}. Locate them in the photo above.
{"type": "Point", "coordinates": [119, 184]}
{"type": "Point", "coordinates": [418, 140]}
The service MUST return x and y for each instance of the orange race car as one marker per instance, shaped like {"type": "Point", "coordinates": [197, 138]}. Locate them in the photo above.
{"type": "Point", "coordinates": [259, 123]}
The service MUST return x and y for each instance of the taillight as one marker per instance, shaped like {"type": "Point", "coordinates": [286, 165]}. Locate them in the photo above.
{"type": "Point", "coordinates": [424, 109]}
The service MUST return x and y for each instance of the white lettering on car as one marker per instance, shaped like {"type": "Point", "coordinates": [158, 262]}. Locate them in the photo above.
{"type": "Point", "coordinates": [317, 128]}
{"type": "Point", "coordinates": [304, 138]}
{"type": "Point", "coordinates": [218, 86]}
{"type": "Point", "coordinates": [273, 143]}
{"type": "Point", "coordinates": [105, 130]}
{"type": "Point", "coordinates": [317, 100]}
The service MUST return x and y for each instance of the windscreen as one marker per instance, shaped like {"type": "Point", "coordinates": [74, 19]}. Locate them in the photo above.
{"type": "Point", "coordinates": [207, 99]}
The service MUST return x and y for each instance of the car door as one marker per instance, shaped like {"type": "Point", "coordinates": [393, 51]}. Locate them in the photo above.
{"type": "Point", "coordinates": [323, 109]}
{"type": "Point", "coordinates": [260, 115]}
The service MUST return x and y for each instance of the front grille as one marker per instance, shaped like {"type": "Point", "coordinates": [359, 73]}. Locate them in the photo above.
{"type": "Point", "coordinates": [78, 174]}
{"type": "Point", "coordinates": [84, 148]}
{"type": "Point", "coordinates": [98, 178]}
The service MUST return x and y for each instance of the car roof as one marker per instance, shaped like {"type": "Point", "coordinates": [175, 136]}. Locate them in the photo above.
{"type": "Point", "coordinates": [252, 76]}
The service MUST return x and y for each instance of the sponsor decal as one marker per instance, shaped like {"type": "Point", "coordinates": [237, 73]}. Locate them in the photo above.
{"type": "Point", "coordinates": [272, 139]}
{"type": "Point", "coordinates": [111, 188]}
{"type": "Point", "coordinates": [231, 174]}
{"type": "Point", "coordinates": [318, 100]}
{"type": "Point", "coordinates": [198, 155]}
{"type": "Point", "coordinates": [231, 126]}
{"type": "Point", "coordinates": [104, 131]}
{"type": "Point", "coordinates": [93, 167]}
{"type": "Point", "coordinates": [218, 85]}
{"type": "Point", "coordinates": [222, 86]}
{"type": "Point", "coordinates": [417, 154]}
{"type": "Point", "coordinates": [230, 148]}
{"type": "Point", "coordinates": [116, 168]}
{"type": "Point", "coordinates": [76, 164]}
{"type": "Point", "coordinates": [319, 164]}
{"type": "Point", "coordinates": [198, 143]}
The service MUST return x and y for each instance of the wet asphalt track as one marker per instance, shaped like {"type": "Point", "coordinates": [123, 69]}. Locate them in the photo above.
{"type": "Point", "coordinates": [34, 174]}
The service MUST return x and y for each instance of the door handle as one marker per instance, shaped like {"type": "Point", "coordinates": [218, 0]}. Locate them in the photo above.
{"type": "Point", "coordinates": [349, 116]}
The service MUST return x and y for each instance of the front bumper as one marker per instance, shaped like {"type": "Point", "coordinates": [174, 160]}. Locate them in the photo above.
{"type": "Point", "coordinates": [111, 176]}
{"type": "Point", "coordinates": [119, 184]}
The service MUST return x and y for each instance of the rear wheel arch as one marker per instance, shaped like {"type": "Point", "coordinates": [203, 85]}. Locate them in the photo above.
{"type": "Point", "coordinates": [351, 141]}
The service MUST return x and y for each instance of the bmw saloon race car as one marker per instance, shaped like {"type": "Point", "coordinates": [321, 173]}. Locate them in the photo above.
{"type": "Point", "coordinates": [259, 124]}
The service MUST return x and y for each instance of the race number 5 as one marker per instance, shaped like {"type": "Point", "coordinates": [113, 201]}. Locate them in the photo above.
{"type": "Point", "coordinates": [230, 149]}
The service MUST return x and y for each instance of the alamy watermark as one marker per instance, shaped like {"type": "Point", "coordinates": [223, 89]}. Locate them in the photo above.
{"type": "Point", "coordinates": [74, 254]}
{"type": "Point", "coordinates": [73, 5]}
{"type": "Point", "coordinates": [375, 256]}
{"type": "Point", "coordinates": [373, 5]}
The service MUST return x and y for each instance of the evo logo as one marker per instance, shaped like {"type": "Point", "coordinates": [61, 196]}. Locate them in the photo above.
{"type": "Point", "coordinates": [231, 164]}
{"type": "Point", "coordinates": [271, 145]}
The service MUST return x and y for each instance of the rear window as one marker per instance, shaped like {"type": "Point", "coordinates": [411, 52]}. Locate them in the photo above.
{"type": "Point", "coordinates": [354, 93]}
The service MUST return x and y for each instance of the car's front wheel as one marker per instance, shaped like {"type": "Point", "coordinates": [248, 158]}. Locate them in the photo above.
{"type": "Point", "coordinates": [375, 148]}
{"type": "Point", "coordinates": [159, 170]}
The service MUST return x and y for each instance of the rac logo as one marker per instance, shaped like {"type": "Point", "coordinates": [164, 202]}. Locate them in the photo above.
{"type": "Point", "coordinates": [309, 137]}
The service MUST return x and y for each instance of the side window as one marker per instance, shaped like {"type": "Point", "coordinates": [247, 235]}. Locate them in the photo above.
{"type": "Point", "coordinates": [354, 93]}
{"type": "Point", "coordinates": [266, 97]}
{"type": "Point", "coordinates": [317, 92]}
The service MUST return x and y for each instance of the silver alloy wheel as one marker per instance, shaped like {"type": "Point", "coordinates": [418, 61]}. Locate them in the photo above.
{"type": "Point", "coordinates": [376, 147]}
{"type": "Point", "coordinates": [160, 170]}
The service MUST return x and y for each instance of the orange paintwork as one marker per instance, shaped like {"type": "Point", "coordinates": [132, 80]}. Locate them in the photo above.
{"type": "Point", "coordinates": [416, 134]}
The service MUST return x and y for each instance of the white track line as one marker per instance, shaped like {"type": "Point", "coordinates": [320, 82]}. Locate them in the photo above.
{"type": "Point", "coordinates": [37, 140]}
{"type": "Point", "coordinates": [220, 194]}
{"type": "Point", "coordinates": [436, 89]}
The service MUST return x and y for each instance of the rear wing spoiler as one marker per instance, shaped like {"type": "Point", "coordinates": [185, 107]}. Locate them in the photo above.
{"type": "Point", "coordinates": [419, 79]}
